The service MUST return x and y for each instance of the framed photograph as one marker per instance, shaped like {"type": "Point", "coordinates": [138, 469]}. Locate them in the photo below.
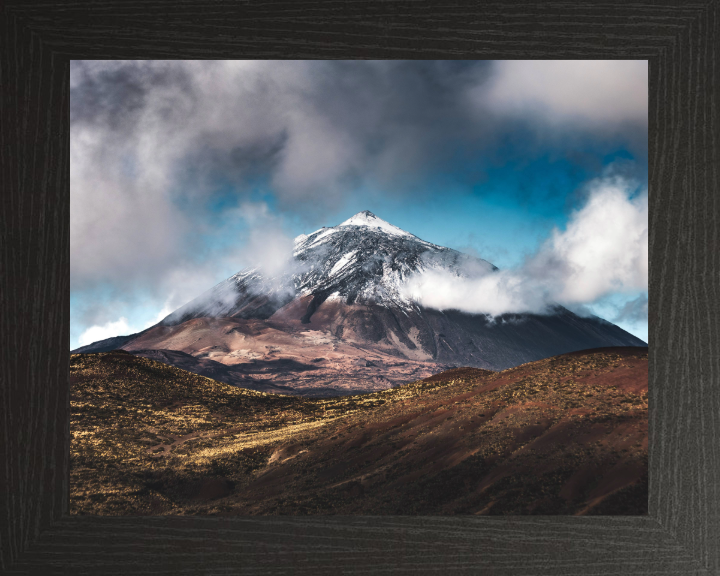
{"type": "Point", "coordinates": [293, 352]}
{"type": "Point", "coordinates": [248, 339]}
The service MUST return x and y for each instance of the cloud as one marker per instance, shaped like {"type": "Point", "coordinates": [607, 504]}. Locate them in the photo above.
{"type": "Point", "coordinates": [101, 332]}
{"type": "Point", "coordinates": [266, 247]}
{"type": "Point", "coordinates": [494, 293]}
{"type": "Point", "coordinates": [633, 312]}
{"type": "Point", "coordinates": [603, 250]}
{"type": "Point", "coordinates": [122, 326]}
{"type": "Point", "coordinates": [154, 142]}
{"type": "Point", "coordinates": [599, 94]}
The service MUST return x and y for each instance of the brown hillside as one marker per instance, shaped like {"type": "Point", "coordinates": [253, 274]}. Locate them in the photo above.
{"type": "Point", "coordinates": [565, 435]}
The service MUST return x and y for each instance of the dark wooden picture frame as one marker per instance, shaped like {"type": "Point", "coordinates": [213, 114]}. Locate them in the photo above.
{"type": "Point", "coordinates": [681, 534]}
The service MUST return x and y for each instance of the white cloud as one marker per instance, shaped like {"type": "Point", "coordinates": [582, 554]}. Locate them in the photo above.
{"type": "Point", "coordinates": [604, 248]}
{"type": "Point", "coordinates": [600, 93]}
{"type": "Point", "coordinates": [267, 246]}
{"type": "Point", "coordinates": [101, 332]}
{"type": "Point", "coordinates": [602, 251]}
{"type": "Point", "coordinates": [492, 293]}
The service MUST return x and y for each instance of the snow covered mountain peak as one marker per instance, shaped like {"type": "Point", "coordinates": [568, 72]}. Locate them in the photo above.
{"type": "Point", "coordinates": [367, 218]}
{"type": "Point", "coordinates": [362, 223]}
{"type": "Point", "coordinates": [363, 260]}
{"type": "Point", "coordinates": [368, 260]}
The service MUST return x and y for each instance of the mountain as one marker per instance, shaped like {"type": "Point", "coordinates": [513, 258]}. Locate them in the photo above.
{"type": "Point", "coordinates": [339, 312]}
{"type": "Point", "coordinates": [364, 260]}
{"type": "Point", "coordinates": [107, 344]}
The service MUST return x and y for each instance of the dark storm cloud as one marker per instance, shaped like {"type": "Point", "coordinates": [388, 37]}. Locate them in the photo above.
{"type": "Point", "coordinates": [315, 127]}
{"type": "Point", "coordinates": [115, 95]}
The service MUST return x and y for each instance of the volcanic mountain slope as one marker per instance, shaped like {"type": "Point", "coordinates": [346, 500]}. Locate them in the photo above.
{"type": "Point", "coordinates": [340, 307]}
{"type": "Point", "coordinates": [564, 435]}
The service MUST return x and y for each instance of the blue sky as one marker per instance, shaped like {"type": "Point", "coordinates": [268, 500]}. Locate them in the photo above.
{"type": "Point", "coordinates": [182, 173]}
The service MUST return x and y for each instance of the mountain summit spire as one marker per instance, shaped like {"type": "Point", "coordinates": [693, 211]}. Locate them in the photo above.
{"type": "Point", "coordinates": [367, 218]}
{"type": "Point", "coordinates": [362, 217]}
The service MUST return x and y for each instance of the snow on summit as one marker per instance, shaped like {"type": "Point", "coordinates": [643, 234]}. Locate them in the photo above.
{"type": "Point", "coordinates": [367, 218]}
{"type": "Point", "coordinates": [362, 220]}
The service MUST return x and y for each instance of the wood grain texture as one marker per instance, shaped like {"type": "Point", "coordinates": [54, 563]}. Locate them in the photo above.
{"type": "Point", "coordinates": [681, 42]}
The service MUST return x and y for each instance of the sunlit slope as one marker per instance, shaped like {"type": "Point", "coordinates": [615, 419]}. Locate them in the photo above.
{"type": "Point", "coordinates": [566, 435]}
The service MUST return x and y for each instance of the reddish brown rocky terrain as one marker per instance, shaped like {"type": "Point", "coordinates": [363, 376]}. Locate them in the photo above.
{"type": "Point", "coordinates": [564, 435]}
{"type": "Point", "coordinates": [281, 356]}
